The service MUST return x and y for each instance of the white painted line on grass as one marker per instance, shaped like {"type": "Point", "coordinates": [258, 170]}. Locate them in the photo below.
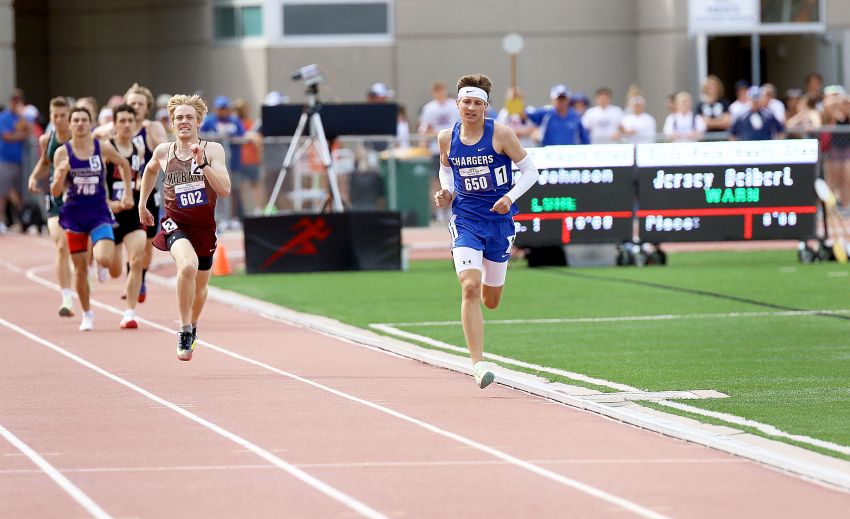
{"type": "Point", "coordinates": [630, 318]}
{"type": "Point", "coordinates": [737, 420]}
{"type": "Point", "coordinates": [78, 495]}
{"type": "Point", "coordinates": [548, 474]}
{"type": "Point", "coordinates": [304, 477]}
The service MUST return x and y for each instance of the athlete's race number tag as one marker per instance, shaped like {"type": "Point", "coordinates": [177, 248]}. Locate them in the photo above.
{"type": "Point", "coordinates": [191, 194]}
{"type": "Point", "coordinates": [118, 189]}
{"type": "Point", "coordinates": [86, 186]}
{"type": "Point", "coordinates": [169, 226]}
{"type": "Point", "coordinates": [477, 179]}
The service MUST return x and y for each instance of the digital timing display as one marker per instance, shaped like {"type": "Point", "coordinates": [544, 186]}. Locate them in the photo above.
{"type": "Point", "coordinates": [713, 191]}
{"type": "Point", "coordinates": [584, 194]}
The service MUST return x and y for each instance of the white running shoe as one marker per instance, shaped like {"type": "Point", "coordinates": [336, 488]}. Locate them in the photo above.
{"type": "Point", "coordinates": [483, 376]}
{"type": "Point", "coordinates": [67, 307]}
{"type": "Point", "coordinates": [102, 274]}
{"type": "Point", "coordinates": [88, 322]}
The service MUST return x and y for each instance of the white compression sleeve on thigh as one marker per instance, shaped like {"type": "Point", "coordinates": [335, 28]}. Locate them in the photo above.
{"type": "Point", "coordinates": [447, 178]}
{"type": "Point", "coordinates": [526, 180]}
{"type": "Point", "coordinates": [494, 273]}
{"type": "Point", "coordinates": [466, 258]}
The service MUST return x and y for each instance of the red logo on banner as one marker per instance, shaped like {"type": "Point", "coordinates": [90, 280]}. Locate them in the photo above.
{"type": "Point", "coordinates": [302, 243]}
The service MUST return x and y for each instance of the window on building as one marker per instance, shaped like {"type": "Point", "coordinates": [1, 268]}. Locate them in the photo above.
{"type": "Point", "coordinates": [791, 11]}
{"type": "Point", "coordinates": [351, 18]}
{"type": "Point", "coordinates": [238, 21]}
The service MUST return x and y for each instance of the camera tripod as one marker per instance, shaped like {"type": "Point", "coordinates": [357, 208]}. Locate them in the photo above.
{"type": "Point", "coordinates": [310, 116]}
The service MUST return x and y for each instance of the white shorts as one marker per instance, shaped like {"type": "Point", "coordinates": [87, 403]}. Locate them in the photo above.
{"type": "Point", "coordinates": [492, 273]}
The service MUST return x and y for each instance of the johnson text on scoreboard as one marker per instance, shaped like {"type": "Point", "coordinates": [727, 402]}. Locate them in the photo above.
{"type": "Point", "coordinates": [585, 194]}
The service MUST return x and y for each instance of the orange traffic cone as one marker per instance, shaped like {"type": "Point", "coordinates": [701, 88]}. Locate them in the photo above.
{"type": "Point", "coordinates": [221, 265]}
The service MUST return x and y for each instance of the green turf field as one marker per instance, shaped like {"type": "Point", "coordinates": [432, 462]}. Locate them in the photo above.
{"type": "Point", "coordinates": [779, 368]}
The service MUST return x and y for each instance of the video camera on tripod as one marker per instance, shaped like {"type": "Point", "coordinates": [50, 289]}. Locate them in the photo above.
{"type": "Point", "coordinates": [310, 74]}
{"type": "Point", "coordinates": [374, 119]}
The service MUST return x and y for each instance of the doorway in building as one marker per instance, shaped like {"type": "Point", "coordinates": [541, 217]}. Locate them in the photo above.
{"type": "Point", "coordinates": [784, 60]}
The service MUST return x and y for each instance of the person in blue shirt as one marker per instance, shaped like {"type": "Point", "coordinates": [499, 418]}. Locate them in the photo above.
{"type": "Point", "coordinates": [559, 124]}
{"type": "Point", "coordinates": [476, 179]}
{"type": "Point", "coordinates": [758, 123]}
{"type": "Point", "coordinates": [14, 130]}
{"type": "Point", "coordinates": [226, 124]}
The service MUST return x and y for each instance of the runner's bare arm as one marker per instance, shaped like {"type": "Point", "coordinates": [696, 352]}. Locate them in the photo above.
{"type": "Point", "coordinates": [216, 171]}
{"type": "Point", "coordinates": [149, 181]}
{"type": "Point", "coordinates": [123, 165]}
{"type": "Point", "coordinates": [42, 166]}
{"type": "Point", "coordinates": [63, 166]}
{"type": "Point", "coordinates": [505, 139]}
{"type": "Point", "coordinates": [104, 131]}
{"type": "Point", "coordinates": [156, 133]}
{"type": "Point", "coordinates": [444, 196]}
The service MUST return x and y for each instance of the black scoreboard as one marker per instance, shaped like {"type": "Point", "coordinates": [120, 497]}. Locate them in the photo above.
{"type": "Point", "coordinates": [713, 191]}
{"type": "Point", "coordinates": [585, 194]}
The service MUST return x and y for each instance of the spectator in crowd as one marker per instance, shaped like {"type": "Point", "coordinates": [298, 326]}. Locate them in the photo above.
{"type": "Point", "coordinates": [402, 129]}
{"type": "Point", "coordinates": [792, 102]}
{"type": "Point", "coordinates": [14, 130]}
{"type": "Point", "coordinates": [638, 126]}
{"type": "Point", "coordinates": [32, 116]}
{"type": "Point", "coordinates": [579, 102]}
{"type": "Point", "coordinates": [683, 125]}
{"type": "Point", "coordinates": [776, 107]}
{"type": "Point", "coordinates": [379, 93]}
{"type": "Point", "coordinates": [602, 121]}
{"type": "Point", "coordinates": [438, 114]}
{"type": "Point", "coordinates": [758, 123]}
{"type": "Point", "coordinates": [814, 88]}
{"type": "Point", "coordinates": [713, 107]}
{"type": "Point", "coordinates": [224, 124]}
{"type": "Point", "coordinates": [513, 115]}
{"type": "Point", "coordinates": [742, 102]}
{"type": "Point", "coordinates": [806, 117]}
{"type": "Point", "coordinates": [633, 91]}
{"type": "Point", "coordinates": [836, 144]}
{"type": "Point", "coordinates": [559, 124]}
{"type": "Point", "coordinates": [252, 197]}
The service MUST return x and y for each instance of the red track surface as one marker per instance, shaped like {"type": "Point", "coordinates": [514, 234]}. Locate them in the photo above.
{"type": "Point", "coordinates": [440, 452]}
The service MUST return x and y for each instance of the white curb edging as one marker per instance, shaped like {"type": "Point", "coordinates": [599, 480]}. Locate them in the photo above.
{"type": "Point", "coordinates": [804, 463]}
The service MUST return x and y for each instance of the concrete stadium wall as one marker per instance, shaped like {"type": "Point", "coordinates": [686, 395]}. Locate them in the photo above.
{"type": "Point", "coordinates": [99, 47]}
{"type": "Point", "coordinates": [7, 49]}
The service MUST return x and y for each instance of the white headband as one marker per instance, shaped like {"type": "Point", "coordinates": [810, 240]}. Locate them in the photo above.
{"type": "Point", "coordinates": [472, 92]}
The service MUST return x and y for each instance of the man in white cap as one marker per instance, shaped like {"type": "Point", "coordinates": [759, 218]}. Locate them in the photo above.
{"type": "Point", "coordinates": [559, 124]}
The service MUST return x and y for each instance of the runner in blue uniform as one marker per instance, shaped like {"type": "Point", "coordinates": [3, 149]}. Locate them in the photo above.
{"type": "Point", "coordinates": [476, 178]}
{"type": "Point", "coordinates": [80, 179]}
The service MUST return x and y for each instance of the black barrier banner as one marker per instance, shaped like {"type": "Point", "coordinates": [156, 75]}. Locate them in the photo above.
{"type": "Point", "coordinates": [321, 242]}
{"type": "Point", "coordinates": [585, 194]}
{"type": "Point", "coordinates": [713, 191]}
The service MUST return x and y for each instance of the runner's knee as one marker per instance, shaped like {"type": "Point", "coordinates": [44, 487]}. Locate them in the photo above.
{"type": "Point", "coordinates": [471, 288]}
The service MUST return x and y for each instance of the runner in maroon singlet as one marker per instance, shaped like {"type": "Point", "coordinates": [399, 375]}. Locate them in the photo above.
{"type": "Point", "coordinates": [195, 175]}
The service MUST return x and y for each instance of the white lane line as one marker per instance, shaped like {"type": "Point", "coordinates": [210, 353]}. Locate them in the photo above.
{"type": "Point", "coordinates": [737, 420]}
{"type": "Point", "coordinates": [78, 495]}
{"type": "Point", "coordinates": [630, 318]}
{"type": "Point", "coordinates": [548, 474]}
{"type": "Point", "coordinates": [306, 478]}
{"type": "Point", "coordinates": [381, 465]}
